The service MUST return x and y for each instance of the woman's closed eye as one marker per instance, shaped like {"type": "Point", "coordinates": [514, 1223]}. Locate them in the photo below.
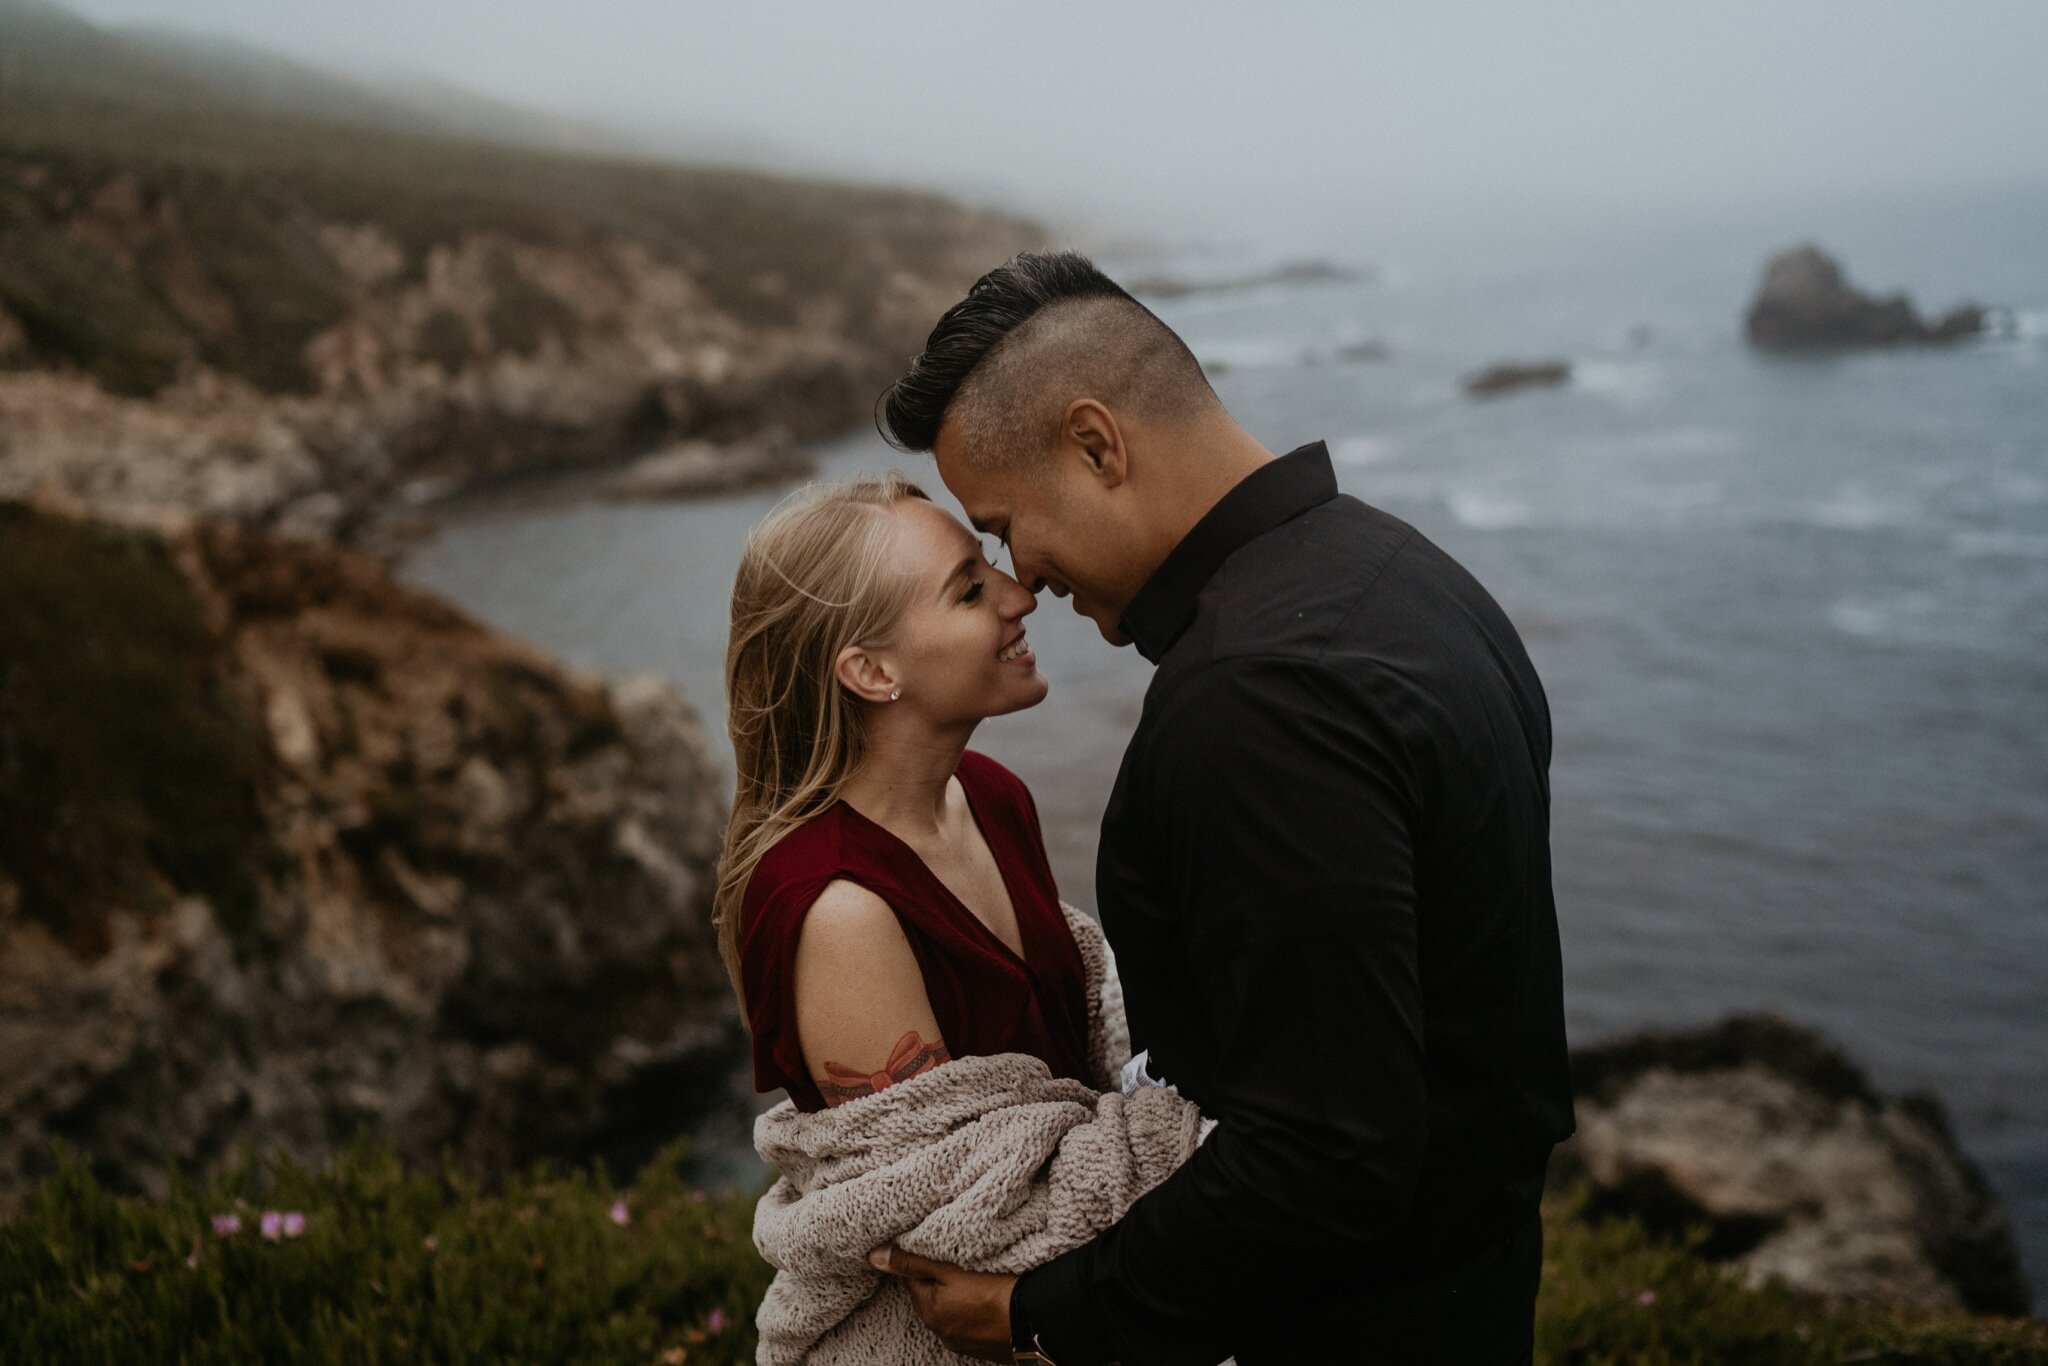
{"type": "Point", "coordinates": [974, 586]}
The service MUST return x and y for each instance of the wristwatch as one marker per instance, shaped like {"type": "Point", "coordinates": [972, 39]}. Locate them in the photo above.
{"type": "Point", "coordinates": [1031, 1354]}
{"type": "Point", "coordinates": [1025, 1345]}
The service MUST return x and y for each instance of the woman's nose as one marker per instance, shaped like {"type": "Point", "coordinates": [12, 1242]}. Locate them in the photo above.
{"type": "Point", "coordinates": [1018, 600]}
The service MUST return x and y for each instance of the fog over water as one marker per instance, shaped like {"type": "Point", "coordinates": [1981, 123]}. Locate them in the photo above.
{"type": "Point", "coordinates": [1299, 120]}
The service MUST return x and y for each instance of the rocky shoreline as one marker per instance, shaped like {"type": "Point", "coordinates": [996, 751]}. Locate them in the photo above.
{"type": "Point", "coordinates": [462, 900]}
{"type": "Point", "coordinates": [641, 360]}
{"type": "Point", "coordinates": [1767, 1136]}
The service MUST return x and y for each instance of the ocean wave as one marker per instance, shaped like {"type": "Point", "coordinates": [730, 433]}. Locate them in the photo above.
{"type": "Point", "coordinates": [2030, 324]}
{"type": "Point", "coordinates": [1487, 511]}
{"type": "Point", "coordinates": [1629, 380]}
{"type": "Point", "coordinates": [1897, 619]}
{"type": "Point", "coordinates": [1678, 440]}
{"type": "Point", "coordinates": [2018, 545]}
{"type": "Point", "coordinates": [1250, 353]}
{"type": "Point", "coordinates": [2019, 488]}
{"type": "Point", "coordinates": [1855, 508]}
{"type": "Point", "coordinates": [1361, 450]}
{"type": "Point", "coordinates": [1864, 620]}
{"type": "Point", "coordinates": [1678, 499]}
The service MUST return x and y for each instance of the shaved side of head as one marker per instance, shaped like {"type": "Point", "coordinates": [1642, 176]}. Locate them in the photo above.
{"type": "Point", "coordinates": [1031, 337]}
{"type": "Point", "coordinates": [1111, 350]}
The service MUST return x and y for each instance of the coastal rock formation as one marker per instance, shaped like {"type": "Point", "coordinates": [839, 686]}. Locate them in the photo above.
{"type": "Point", "coordinates": [172, 346]}
{"type": "Point", "coordinates": [289, 850]}
{"type": "Point", "coordinates": [1769, 1136]}
{"type": "Point", "coordinates": [693, 469]}
{"type": "Point", "coordinates": [1510, 376]}
{"type": "Point", "coordinates": [1806, 304]}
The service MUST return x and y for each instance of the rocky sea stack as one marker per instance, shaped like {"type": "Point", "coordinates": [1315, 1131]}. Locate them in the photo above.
{"type": "Point", "coordinates": [1511, 376]}
{"type": "Point", "coordinates": [290, 851]}
{"type": "Point", "coordinates": [1807, 304]}
{"type": "Point", "coordinates": [1769, 1136]}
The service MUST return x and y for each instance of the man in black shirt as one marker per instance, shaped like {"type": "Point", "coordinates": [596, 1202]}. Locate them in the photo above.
{"type": "Point", "coordinates": [1324, 867]}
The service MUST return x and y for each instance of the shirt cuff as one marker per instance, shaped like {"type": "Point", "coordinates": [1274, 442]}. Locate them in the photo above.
{"type": "Point", "coordinates": [1055, 1301]}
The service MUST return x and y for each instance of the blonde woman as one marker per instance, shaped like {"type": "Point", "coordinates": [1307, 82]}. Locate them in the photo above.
{"type": "Point", "coordinates": [884, 900]}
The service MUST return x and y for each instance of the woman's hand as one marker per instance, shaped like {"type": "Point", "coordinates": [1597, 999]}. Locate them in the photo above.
{"type": "Point", "coordinates": [969, 1310]}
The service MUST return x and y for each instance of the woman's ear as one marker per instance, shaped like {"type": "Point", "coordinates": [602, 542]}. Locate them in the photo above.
{"type": "Point", "coordinates": [866, 676]}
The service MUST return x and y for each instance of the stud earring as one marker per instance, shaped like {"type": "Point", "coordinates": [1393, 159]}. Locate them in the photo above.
{"type": "Point", "coordinates": [895, 693]}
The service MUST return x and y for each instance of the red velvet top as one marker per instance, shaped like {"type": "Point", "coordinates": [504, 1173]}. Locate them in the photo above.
{"type": "Point", "coordinates": [987, 999]}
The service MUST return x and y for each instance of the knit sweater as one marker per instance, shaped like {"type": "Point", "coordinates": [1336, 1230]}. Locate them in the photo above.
{"type": "Point", "coordinates": [991, 1163]}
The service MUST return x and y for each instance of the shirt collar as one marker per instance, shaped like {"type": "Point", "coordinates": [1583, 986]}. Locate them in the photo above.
{"type": "Point", "coordinates": [1276, 492]}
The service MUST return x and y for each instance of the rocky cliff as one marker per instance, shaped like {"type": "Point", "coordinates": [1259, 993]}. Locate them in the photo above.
{"type": "Point", "coordinates": [289, 850]}
{"type": "Point", "coordinates": [1767, 1136]}
{"type": "Point", "coordinates": [246, 290]}
{"type": "Point", "coordinates": [169, 348]}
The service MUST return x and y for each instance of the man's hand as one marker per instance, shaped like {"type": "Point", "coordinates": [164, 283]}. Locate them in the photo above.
{"type": "Point", "coordinates": [969, 1310]}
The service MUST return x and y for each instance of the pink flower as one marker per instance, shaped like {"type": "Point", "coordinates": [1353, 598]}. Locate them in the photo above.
{"type": "Point", "coordinates": [294, 1223]}
{"type": "Point", "coordinates": [272, 1224]}
{"type": "Point", "coordinates": [1647, 1298]}
{"type": "Point", "coordinates": [430, 1242]}
{"type": "Point", "coordinates": [716, 1322]}
{"type": "Point", "coordinates": [193, 1260]}
{"type": "Point", "coordinates": [619, 1215]}
{"type": "Point", "coordinates": [696, 1197]}
{"type": "Point", "coordinates": [226, 1225]}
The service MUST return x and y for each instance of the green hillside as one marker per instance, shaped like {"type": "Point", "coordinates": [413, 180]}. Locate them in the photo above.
{"type": "Point", "coordinates": [224, 165]}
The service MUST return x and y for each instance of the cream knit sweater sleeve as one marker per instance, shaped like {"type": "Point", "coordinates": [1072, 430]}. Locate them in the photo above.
{"type": "Point", "coordinates": [990, 1163]}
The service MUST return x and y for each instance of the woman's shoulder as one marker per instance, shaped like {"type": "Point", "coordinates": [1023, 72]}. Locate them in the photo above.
{"type": "Point", "coordinates": [848, 922]}
{"type": "Point", "coordinates": [832, 848]}
{"type": "Point", "coordinates": [798, 866]}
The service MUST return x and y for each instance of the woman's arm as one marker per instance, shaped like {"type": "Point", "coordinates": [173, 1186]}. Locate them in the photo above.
{"type": "Point", "coordinates": [862, 1015]}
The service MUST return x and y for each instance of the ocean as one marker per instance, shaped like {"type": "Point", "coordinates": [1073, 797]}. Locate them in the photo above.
{"type": "Point", "coordinates": [1791, 613]}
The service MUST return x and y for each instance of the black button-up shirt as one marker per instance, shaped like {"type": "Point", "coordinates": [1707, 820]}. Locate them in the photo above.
{"type": "Point", "coordinates": [1325, 871]}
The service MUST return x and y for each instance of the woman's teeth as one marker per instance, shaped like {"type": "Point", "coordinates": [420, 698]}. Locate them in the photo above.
{"type": "Point", "coordinates": [1019, 647]}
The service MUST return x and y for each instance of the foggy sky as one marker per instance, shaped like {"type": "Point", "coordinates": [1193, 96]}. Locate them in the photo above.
{"type": "Point", "coordinates": [1194, 116]}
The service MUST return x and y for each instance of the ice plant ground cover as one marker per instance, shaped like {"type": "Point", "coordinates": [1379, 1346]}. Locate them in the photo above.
{"type": "Point", "coordinates": [374, 1263]}
{"type": "Point", "coordinates": [385, 1265]}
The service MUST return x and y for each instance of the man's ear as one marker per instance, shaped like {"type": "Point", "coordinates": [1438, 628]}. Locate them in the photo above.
{"type": "Point", "coordinates": [1090, 429]}
{"type": "Point", "coordinates": [864, 675]}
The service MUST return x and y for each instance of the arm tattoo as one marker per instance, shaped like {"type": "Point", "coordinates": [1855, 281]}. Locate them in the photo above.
{"type": "Point", "coordinates": [910, 1056]}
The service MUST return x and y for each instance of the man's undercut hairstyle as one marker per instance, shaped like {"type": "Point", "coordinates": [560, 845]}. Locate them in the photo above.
{"type": "Point", "coordinates": [1033, 335]}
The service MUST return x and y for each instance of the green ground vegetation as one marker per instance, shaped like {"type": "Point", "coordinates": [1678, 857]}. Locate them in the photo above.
{"type": "Point", "coordinates": [389, 1265]}
{"type": "Point", "coordinates": [399, 1265]}
{"type": "Point", "coordinates": [126, 772]}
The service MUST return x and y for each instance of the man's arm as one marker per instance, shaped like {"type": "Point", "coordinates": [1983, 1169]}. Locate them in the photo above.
{"type": "Point", "coordinates": [1285, 807]}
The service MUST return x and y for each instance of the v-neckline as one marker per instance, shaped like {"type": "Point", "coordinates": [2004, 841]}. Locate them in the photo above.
{"type": "Point", "coordinates": [981, 828]}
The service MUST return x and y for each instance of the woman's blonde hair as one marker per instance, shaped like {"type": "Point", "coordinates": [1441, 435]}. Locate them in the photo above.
{"type": "Point", "coordinates": [815, 577]}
